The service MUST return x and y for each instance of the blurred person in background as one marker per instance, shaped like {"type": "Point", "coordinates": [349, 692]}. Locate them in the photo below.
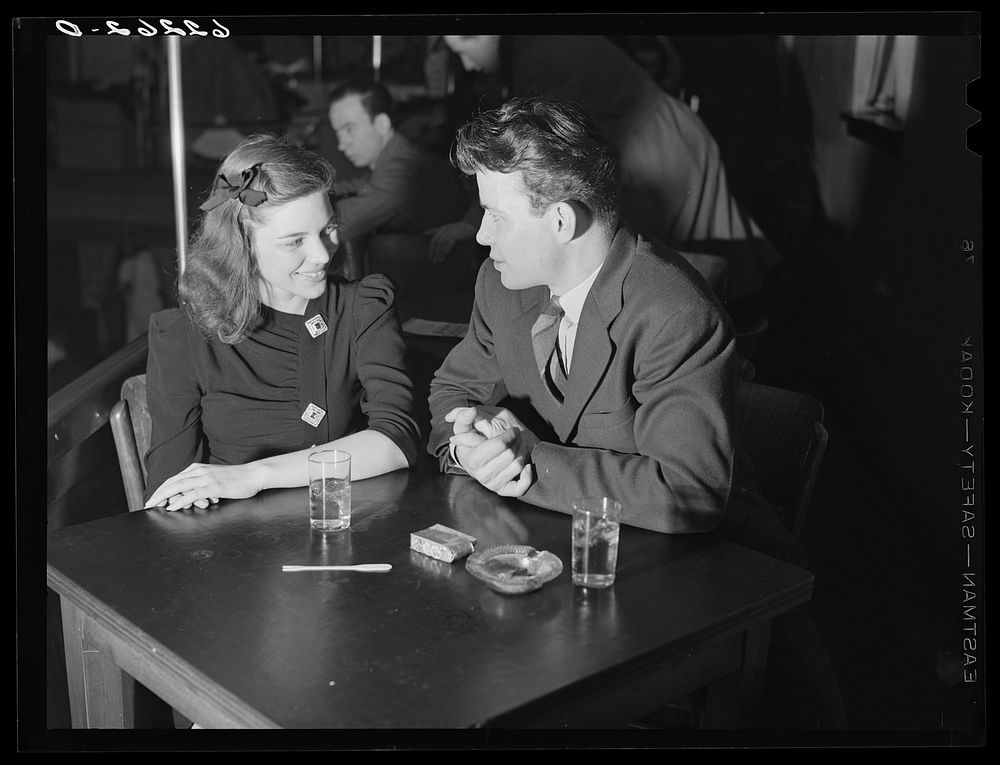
{"type": "Point", "coordinates": [675, 187]}
{"type": "Point", "coordinates": [142, 292]}
{"type": "Point", "coordinates": [404, 191]}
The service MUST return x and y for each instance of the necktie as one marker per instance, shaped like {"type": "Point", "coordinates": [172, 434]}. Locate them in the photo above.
{"type": "Point", "coordinates": [548, 356]}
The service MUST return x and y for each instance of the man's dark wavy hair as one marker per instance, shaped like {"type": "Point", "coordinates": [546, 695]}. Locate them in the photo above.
{"type": "Point", "coordinates": [554, 144]}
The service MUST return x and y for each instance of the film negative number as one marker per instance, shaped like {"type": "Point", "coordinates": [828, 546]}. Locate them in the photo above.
{"type": "Point", "coordinates": [144, 28]}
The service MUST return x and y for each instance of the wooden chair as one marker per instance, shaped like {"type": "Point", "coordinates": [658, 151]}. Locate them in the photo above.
{"type": "Point", "coordinates": [784, 435]}
{"type": "Point", "coordinates": [130, 426]}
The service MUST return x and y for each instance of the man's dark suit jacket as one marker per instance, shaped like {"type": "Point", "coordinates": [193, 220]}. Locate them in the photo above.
{"type": "Point", "coordinates": [648, 419]}
{"type": "Point", "coordinates": [648, 416]}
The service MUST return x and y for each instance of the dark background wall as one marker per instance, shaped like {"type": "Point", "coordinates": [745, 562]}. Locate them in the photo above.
{"type": "Point", "coordinates": [878, 313]}
{"type": "Point", "coordinates": [901, 291]}
{"type": "Point", "coordinates": [888, 334]}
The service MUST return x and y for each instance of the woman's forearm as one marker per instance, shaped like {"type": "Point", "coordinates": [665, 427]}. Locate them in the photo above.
{"type": "Point", "coordinates": [372, 453]}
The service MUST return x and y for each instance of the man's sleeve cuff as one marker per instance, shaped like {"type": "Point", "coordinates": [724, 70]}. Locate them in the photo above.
{"type": "Point", "coordinates": [453, 459]}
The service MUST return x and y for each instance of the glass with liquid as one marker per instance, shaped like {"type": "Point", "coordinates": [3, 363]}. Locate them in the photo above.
{"type": "Point", "coordinates": [329, 490]}
{"type": "Point", "coordinates": [595, 541]}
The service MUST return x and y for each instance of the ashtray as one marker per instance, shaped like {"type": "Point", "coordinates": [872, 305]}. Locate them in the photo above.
{"type": "Point", "coordinates": [513, 569]}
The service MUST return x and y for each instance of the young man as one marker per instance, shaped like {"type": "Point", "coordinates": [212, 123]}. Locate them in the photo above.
{"type": "Point", "coordinates": [598, 362]}
{"type": "Point", "coordinates": [646, 412]}
{"type": "Point", "coordinates": [404, 191]}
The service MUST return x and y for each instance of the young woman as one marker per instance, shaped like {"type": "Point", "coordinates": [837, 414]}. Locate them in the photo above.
{"type": "Point", "coordinates": [268, 357]}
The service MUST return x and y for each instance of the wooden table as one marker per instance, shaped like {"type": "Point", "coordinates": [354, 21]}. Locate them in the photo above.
{"type": "Point", "coordinates": [194, 605]}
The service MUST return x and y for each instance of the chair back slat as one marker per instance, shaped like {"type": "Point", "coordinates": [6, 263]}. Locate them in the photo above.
{"type": "Point", "coordinates": [134, 392]}
{"type": "Point", "coordinates": [130, 425]}
{"type": "Point", "coordinates": [783, 433]}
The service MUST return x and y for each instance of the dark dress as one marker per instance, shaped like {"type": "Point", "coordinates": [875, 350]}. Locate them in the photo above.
{"type": "Point", "coordinates": [280, 389]}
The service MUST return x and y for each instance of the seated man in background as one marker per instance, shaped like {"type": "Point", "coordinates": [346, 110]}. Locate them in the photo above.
{"type": "Point", "coordinates": [617, 363]}
{"type": "Point", "coordinates": [405, 191]}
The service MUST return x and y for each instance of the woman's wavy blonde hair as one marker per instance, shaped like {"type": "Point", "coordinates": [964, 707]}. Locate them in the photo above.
{"type": "Point", "coordinates": [219, 286]}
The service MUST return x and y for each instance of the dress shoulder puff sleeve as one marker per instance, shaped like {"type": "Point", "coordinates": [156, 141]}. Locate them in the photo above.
{"type": "Point", "coordinates": [387, 397]}
{"type": "Point", "coordinates": [173, 395]}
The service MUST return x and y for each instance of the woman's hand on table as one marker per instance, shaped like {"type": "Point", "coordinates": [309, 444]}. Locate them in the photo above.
{"type": "Point", "coordinates": [200, 485]}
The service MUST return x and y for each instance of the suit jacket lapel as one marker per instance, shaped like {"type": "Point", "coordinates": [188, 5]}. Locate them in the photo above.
{"type": "Point", "coordinates": [593, 351]}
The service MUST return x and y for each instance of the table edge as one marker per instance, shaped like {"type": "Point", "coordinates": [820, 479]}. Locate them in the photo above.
{"type": "Point", "coordinates": [207, 703]}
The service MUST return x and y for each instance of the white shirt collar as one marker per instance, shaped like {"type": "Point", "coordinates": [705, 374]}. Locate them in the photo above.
{"type": "Point", "coordinates": [572, 302]}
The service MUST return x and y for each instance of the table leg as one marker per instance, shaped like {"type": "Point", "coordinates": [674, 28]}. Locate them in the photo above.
{"type": "Point", "coordinates": [100, 694]}
{"type": "Point", "coordinates": [734, 701]}
{"type": "Point", "coordinates": [754, 668]}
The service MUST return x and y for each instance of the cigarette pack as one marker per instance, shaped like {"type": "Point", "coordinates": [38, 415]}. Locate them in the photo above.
{"type": "Point", "coordinates": [442, 543]}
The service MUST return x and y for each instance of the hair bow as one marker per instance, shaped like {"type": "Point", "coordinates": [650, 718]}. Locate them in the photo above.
{"type": "Point", "coordinates": [224, 191]}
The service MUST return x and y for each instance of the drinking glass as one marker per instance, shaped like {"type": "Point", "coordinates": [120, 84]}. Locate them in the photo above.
{"type": "Point", "coordinates": [595, 541]}
{"type": "Point", "coordinates": [329, 490]}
